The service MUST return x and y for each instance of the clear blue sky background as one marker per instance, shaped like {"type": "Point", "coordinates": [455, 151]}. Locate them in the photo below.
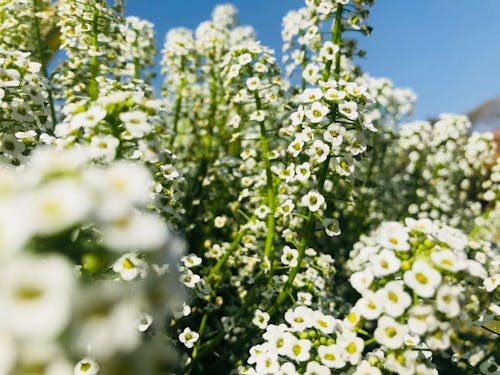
{"type": "Point", "coordinates": [447, 51]}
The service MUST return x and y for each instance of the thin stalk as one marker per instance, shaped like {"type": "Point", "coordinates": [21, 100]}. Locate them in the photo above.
{"type": "Point", "coordinates": [311, 219]}
{"type": "Point", "coordinates": [178, 104]}
{"type": "Point", "coordinates": [270, 190]}
{"type": "Point", "coordinates": [94, 61]}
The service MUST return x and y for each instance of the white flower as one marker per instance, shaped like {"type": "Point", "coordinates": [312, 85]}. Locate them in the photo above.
{"type": "Point", "coordinates": [304, 298]}
{"type": "Point", "coordinates": [329, 51]}
{"type": "Point", "coordinates": [16, 226]}
{"type": "Point", "coordinates": [253, 83]}
{"type": "Point", "coordinates": [169, 172]}
{"type": "Point", "coordinates": [262, 211]}
{"type": "Point", "coordinates": [447, 300]}
{"type": "Point", "coordinates": [353, 346]}
{"type": "Point", "coordinates": [349, 110]}
{"type": "Point", "coordinates": [390, 333]}
{"type": "Point", "coordinates": [295, 147]}
{"type": "Point", "coordinates": [7, 353]}
{"type": "Point", "coordinates": [334, 94]}
{"type": "Point", "coordinates": [87, 366]}
{"type": "Point", "coordinates": [139, 232]}
{"type": "Point", "coordinates": [136, 123]}
{"type": "Point", "coordinates": [300, 318]}
{"type": "Point", "coordinates": [260, 319]}
{"type": "Point", "coordinates": [331, 356]}
{"type": "Point", "coordinates": [393, 235]}
{"type": "Point", "coordinates": [331, 227]}
{"type": "Point", "coordinates": [311, 95]}
{"type": "Point", "coordinates": [35, 295]}
{"type": "Point", "coordinates": [385, 263]}
{"type": "Point", "coordinates": [129, 266]}
{"type": "Point", "coordinates": [188, 337]}
{"type": "Point", "coordinates": [190, 279]}
{"type": "Point", "coordinates": [448, 260]}
{"type": "Point", "coordinates": [278, 339]}
{"type": "Point", "coordinates": [334, 134]}
{"type": "Point", "coordinates": [317, 112]}
{"type": "Point", "coordinates": [394, 299]}
{"type": "Point", "coordinates": [267, 363]}
{"type": "Point", "coordinates": [313, 201]}
{"type": "Point", "coordinates": [9, 78]}
{"type": "Point", "coordinates": [369, 306]}
{"type": "Point", "coordinates": [287, 368]}
{"type": "Point", "coordinates": [259, 115]}
{"type": "Point", "coordinates": [299, 349]}
{"type": "Point", "coordinates": [454, 238]}
{"type": "Point", "coordinates": [421, 225]}
{"type": "Point", "coordinates": [421, 318]}
{"type": "Point", "coordinates": [103, 146]}
{"type": "Point", "coordinates": [318, 151]}
{"type": "Point", "coordinates": [143, 322]}
{"type": "Point", "coordinates": [492, 282]}
{"type": "Point", "coordinates": [311, 73]}
{"type": "Point", "coordinates": [290, 256]}
{"type": "Point", "coordinates": [314, 368]}
{"type": "Point", "coordinates": [89, 118]}
{"type": "Point", "coordinates": [324, 323]}
{"type": "Point", "coordinates": [60, 205]}
{"type": "Point", "coordinates": [286, 208]}
{"type": "Point", "coordinates": [364, 368]}
{"type": "Point", "coordinates": [303, 172]}
{"type": "Point", "coordinates": [344, 166]}
{"type": "Point", "coordinates": [423, 279]}
{"type": "Point", "coordinates": [361, 280]}
{"type": "Point", "coordinates": [191, 260]}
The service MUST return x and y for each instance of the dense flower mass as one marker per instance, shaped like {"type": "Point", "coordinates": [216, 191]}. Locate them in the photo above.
{"type": "Point", "coordinates": [255, 217]}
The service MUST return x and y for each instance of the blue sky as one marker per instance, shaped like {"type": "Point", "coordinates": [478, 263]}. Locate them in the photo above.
{"type": "Point", "coordinates": [447, 51]}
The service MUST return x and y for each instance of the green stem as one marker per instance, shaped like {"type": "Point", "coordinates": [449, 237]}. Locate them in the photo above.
{"type": "Point", "coordinates": [94, 61]}
{"type": "Point", "coordinates": [270, 190]}
{"type": "Point", "coordinates": [200, 333]}
{"type": "Point", "coordinates": [178, 104]}
{"type": "Point", "coordinates": [311, 219]}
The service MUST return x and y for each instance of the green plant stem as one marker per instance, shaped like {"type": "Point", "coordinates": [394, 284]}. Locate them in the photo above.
{"type": "Point", "coordinates": [270, 189]}
{"type": "Point", "coordinates": [178, 104]}
{"type": "Point", "coordinates": [43, 60]}
{"type": "Point", "coordinates": [200, 333]}
{"type": "Point", "coordinates": [94, 61]}
{"type": "Point", "coordinates": [311, 219]}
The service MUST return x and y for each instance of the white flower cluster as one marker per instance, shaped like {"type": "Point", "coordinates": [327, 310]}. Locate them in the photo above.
{"type": "Point", "coordinates": [23, 100]}
{"type": "Point", "coordinates": [58, 212]}
{"type": "Point", "coordinates": [421, 282]}
{"type": "Point", "coordinates": [24, 25]}
{"type": "Point", "coordinates": [310, 342]}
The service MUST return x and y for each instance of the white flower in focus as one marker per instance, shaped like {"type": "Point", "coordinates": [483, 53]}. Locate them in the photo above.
{"type": "Point", "coordinates": [421, 319]}
{"type": "Point", "coordinates": [390, 333]}
{"type": "Point", "coordinates": [190, 279]}
{"type": "Point", "coordinates": [369, 305]}
{"type": "Point", "coordinates": [313, 201]}
{"type": "Point", "coordinates": [393, 235]}
{"type": "Point", "coordinates": [492, 282]}
{"type": "Point", "coordinates": [385, 263]}
{"type": "Point", "coordinates": [361, 280]}
{"type": "Point", "coordinates": [324, 323]}
{"type": "Point", "coordinates": [394, 299]}
{"type": "Point", "coordinates": [87, 366]}
{"type": "Point", "coordinates": [290, 256]}
{"type": "Point", "coordinates": [36, 296]}
{"type": "Point", "coordinates": [299, 349]}
{"type": "Point", "coordinates": [259, 115]}
{"type": "Point", "coordinates": [311, 95]}
{"type": "Point", "coordinates": [421, 225]}
{"type": "Point", "coordinates": [191, 260]}
{"type": "Point", "coordinates": [188, 337]}
{"type": "Point", "coordinates": [317, 112]}
{"type": "Point", "coordinates": [300, 318]}
{"type": "Point", "coordinates": [129, 266]}
{"type": "Point", "coordinates": [334, 95]}
{"type": "Point", "coordinates": [334, 134]}
{"type": "Point", "coordinates": [423, 279]}
{"type": "Point", "coordinates": [253, 83]}
{"type": "Point", "coordinates": [136, 123]}
{"type": "Point", "coordinates": [448, 260]}
{"type": "Point", "coordinates": [353, 346]}
{"type": "Point", "coordinates": [331, 356]}
{"type": "Point", "coordinates": [349, 110]}
{"type": "Point", "coordinates": [260, 319]}
{"type": "Point", "coordinates": [318, 151]}
{"type": "Point", "coordinates": [331, 227]}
